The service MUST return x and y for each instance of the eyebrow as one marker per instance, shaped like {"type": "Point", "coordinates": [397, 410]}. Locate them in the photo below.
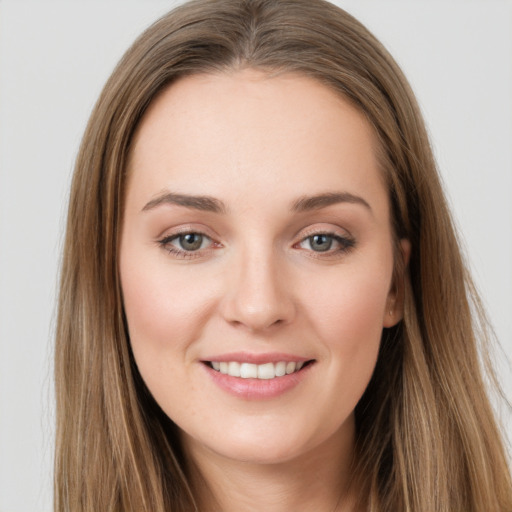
{"type": "Point", "coordinates": [203, 203]}
{"type": "Point", "coordinates": [316, 202]}
{"type": "Point", "coordinates": [214, 205]}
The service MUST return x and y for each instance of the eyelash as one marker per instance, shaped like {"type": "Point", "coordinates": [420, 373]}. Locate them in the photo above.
{"type": "Point", "coordinates": [346, 243]}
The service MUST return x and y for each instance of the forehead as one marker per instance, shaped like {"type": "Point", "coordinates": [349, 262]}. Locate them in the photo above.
{"type": "Point", "coordinates": [220, 134]}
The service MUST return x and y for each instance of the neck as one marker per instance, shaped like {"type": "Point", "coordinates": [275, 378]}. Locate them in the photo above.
{"type": "Point", "coordinates": [319, 480]}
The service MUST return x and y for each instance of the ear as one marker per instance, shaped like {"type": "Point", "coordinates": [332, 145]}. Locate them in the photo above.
{"type": "Point", "coordinates": [395, 303]}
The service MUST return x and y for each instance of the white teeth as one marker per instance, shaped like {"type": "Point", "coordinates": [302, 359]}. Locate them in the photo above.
{"type": "Point", "coordinates": [290, 367]}
{"type": "Point", "coordinates": [266, 371]}
{"type": "Point", "coordinates": [256, 371]}
{"type": "Point", "coordinates": [234, 369]}
{"type": "Point", "coordinates": [248, 371]}
{"type": "Point", "coordinates": [280, 369]}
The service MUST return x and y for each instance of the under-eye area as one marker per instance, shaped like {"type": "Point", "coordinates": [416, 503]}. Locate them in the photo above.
{"type": "Point", "coordinates": [264, 371]}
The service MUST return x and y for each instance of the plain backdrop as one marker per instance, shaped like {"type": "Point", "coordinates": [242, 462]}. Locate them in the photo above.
{"type": "Point", "coordinates": [54, 59]}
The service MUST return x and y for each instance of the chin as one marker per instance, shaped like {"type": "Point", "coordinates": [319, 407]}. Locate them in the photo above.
{"type": "Point", "coordinates": [265, 444]}
{"type": "Point", "coordinates": [264, 453]}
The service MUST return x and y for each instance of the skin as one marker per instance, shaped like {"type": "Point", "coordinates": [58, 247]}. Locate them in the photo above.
{"type": "Point", "coordinates": [258, 284]}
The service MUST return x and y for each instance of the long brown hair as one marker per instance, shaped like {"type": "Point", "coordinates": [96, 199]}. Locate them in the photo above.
{"type": "Point", "coordinates": [427, 440]}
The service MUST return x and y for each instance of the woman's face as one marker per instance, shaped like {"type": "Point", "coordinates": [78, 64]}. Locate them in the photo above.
{"type": "Point", "coordinates": [256, 241]}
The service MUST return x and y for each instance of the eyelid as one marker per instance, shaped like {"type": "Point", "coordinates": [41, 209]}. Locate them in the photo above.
{"type": "Point", "coordinates": [182, 229]}
{"type": "Point", "coordinates": [323, 229]}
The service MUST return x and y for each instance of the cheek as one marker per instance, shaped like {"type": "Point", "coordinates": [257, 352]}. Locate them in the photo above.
{"type": "Point", "coordinates": [151, 308]}
{"type": "Point", "coordinates": [350, 308]}
{"type": "Point", "coordinates": [164, 308]}
{"type": "Point", "coordinates": [165, 316]}
{"type": "Point", "coordinates": [348, 313]}
{"type": "Point", "coordinates": [348, 319]}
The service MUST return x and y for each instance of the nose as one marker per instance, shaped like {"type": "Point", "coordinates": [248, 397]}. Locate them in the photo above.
{"type": "Point", "coordinates": [259, 297]}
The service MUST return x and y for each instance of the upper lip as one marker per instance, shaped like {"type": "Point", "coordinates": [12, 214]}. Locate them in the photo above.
{"type": "Point", "coordinates": [247, 357]}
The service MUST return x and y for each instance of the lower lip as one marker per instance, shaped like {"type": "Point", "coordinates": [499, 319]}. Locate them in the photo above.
{"type": "Point", "coordinates": [257, 389]}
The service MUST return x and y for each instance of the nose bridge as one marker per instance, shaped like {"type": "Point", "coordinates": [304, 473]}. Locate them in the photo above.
{"type": "Point", "coordinates": [258, 297]}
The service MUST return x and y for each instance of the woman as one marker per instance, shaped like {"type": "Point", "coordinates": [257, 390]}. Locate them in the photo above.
{"type": "Point", "coordinates": [263, 304]}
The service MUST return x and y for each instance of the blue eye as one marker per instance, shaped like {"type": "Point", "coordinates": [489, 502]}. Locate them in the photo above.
{"type": "Point", "coordinates": [320, 243]}
{"type": "Point", "coordinates": [185, 243]}
{"type": "Point", "coordinates": [190, 241]}
{"type": "Point", "coordinates": [326, 242]}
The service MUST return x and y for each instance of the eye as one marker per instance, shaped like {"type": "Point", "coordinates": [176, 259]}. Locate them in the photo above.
{"type": "Point", "coordinates": [190, 241]}
{"type": "Point", "coordinates": [326, 242]}
{"type": "Point", "coordinates": [318, 243]}
{"type": "Point", "coordinates": [186, 244]}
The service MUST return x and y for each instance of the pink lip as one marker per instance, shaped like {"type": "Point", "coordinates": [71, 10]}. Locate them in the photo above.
{"type": "Point", "coordinates": [245, 357]}
{"type": "Point", "coordinates": [257, 389]}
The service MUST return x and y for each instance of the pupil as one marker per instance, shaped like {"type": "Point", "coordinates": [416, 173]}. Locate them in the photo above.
{"type": "Point", "coordinates": [191, 241]}
{"type": "Point", "coordinates": [321, 242]}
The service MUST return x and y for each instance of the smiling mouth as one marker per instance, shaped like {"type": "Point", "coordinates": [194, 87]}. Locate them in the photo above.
{"type": "Point", "coordinates": [265, 371]}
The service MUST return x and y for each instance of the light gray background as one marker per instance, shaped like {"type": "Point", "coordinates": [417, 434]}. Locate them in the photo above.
{"type": "Point", "coordinates": [54, 59]}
